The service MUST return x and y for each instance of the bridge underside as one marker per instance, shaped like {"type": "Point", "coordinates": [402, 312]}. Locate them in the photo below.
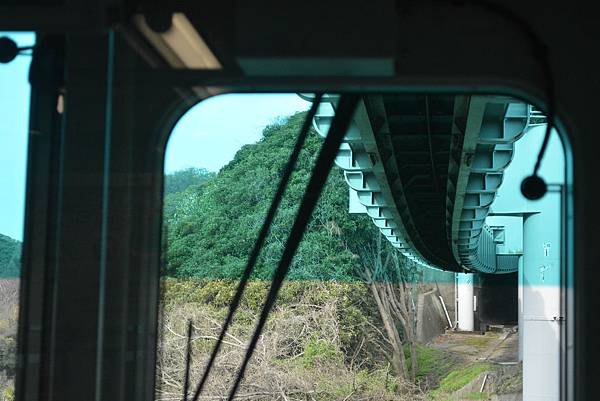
{"type": "Point", "coordinates": [416, 142]}
{"type": "Point", "coordinates": [426, 169]}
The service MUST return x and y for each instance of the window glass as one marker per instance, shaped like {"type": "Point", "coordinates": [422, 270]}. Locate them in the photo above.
{"type": "Point", "coordinates": [378, 303]}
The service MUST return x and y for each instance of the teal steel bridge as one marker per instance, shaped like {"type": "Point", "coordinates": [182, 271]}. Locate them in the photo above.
{"type": "Point", "coordinates": [426, 170]}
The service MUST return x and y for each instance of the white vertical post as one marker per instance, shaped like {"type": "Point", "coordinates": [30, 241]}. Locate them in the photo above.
{"type": "Point", "coordinates": [465, 301]}
{"type": "Point", "coordinates": [541, 301]}
{"type": "Point", "coordinates": [520, 306]}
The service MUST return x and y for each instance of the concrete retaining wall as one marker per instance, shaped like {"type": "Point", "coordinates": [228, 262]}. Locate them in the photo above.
{"type": "Point", "coordinates": [431, 319]}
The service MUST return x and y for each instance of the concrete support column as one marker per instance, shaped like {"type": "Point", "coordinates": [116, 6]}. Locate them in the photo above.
{"type": "Point", "coordinates": [541, 301]}
{"type": "Point", "coordinates": [465, 301]}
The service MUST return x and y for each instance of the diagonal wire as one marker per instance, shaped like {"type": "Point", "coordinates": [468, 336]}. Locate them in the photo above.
{"type": "Point", "coordinates": [264, 231]}
{"type": "Point", "coordinates": [339, 125]}
{"type": "Point", "coordinates": [188, 359]}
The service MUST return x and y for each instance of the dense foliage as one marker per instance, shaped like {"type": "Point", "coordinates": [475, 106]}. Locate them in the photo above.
{"type": "Point", "coordinates": [211, 227]}
{"type": "Point", "coordinates": [181, 180]}
{"type": "Point", "coordinates": [10, 257]}
{"type": "Point", "coordinates": [182, 184]}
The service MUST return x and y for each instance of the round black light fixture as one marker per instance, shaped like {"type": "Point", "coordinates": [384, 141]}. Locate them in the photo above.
{"type": "Point", "coordinates": [159, 22]}
{"type": "Point", "coordinates": [8, 50]}
{"type": "Point", "coordinates": [533, 187]}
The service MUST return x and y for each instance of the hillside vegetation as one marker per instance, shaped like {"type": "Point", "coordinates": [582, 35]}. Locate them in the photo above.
{"type": "Point", "coordinates": [212, 226]}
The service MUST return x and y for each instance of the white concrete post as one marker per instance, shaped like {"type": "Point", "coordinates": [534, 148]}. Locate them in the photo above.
{"type": "Point", "coordinates": [541, 301]}
{"type": "Point", "coordinates": [465, 302]}
{"type": "Point", "coordinates": [520, 305]}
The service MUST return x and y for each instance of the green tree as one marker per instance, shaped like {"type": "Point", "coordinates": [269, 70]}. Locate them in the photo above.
{"type": "Point", "coordinates": [181, 180]}
{"type": "Point", "coordinates": [212, 229]}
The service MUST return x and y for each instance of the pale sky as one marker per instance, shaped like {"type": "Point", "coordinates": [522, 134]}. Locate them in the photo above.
{"type": "Point", "coordinates": [207, 136]}
{"type": "Point", "coordinates": [212, 132]}
{"type": "Point", "coordinates": [14, 103]}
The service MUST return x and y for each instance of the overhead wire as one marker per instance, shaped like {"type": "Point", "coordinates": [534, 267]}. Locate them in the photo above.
{"type": "Point", "coordinates": [264, 231]}
{"type": "Point", "coordinates": [329, 149]}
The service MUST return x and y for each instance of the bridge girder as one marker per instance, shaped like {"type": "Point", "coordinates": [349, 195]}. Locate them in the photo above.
{"type": "Point", "coordinates": [426, 169]}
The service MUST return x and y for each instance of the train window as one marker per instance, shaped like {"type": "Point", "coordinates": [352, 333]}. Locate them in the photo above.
{"type": "Point", "coordinates": [423, 272]}
{"type": "Point", "coordinates": [14, 103]}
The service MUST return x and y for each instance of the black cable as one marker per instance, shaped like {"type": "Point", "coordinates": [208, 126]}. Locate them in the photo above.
{"type": "Point", "coordinates": [533, 187]}
{"type": "Point", "coordinates": [188, 360]}
{"type": "Point", "coordinates": [9, 49]}
{"type": "Point", "coordinates": [549, 125]}
{"type": "Point", "coordinates": [329, 150]}
{"type": "Point", "coordinates": [264, 231]}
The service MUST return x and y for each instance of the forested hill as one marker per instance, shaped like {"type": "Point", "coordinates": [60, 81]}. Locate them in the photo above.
{"type": "Point", "coordinates": [180, 184]}
{"type": "Point", "coordinates": [211, 225]}
{"type": "Point", "coordinates": [10, 257]}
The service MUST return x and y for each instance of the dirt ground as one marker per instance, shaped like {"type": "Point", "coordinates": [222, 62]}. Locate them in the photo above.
{"type": "Point", "coordinates": [499, 348]}
{"type": "Point", "coordinates": [494, 346]}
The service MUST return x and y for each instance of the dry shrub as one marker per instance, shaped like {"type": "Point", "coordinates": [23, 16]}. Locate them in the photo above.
{"type": "Point", "coordinates": [9, 306]}
{"type": "Point", "coordinates": [303, 353]}
{"type": "Point", "coordinates": [9, 314]}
